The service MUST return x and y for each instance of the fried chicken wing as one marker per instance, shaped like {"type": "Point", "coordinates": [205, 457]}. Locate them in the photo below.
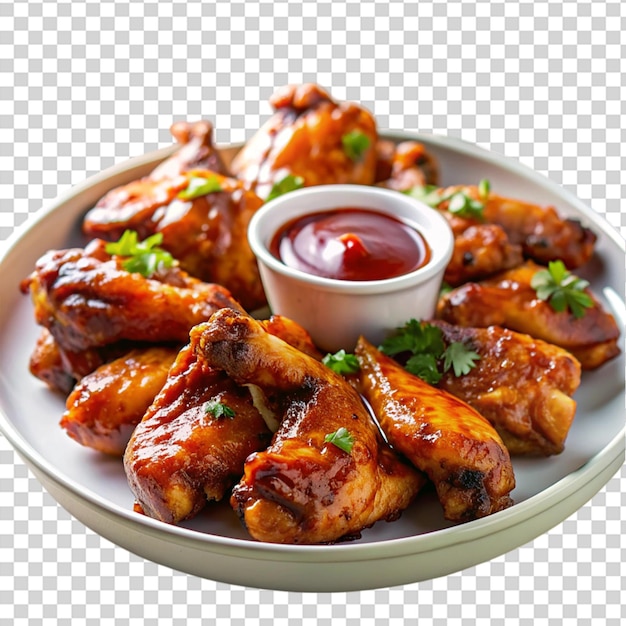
{"type": "Point", "coordinates": [441, 435]}
{"type": "Point", "coordinates": [306, 137]}
{"type": "Point", "coordinates": [303, 488]}
{"type": "Point", "coordinates": [480, 250]}
{"type": "Point", "coordinates": [523, 386]}
{"type": "Point", "coordinates": [404, 165]}
{"type": "Point", "coordinates": [206, 233]}
{"type": "Point", "coordinates": [105, 406]}
{"type": "Point", "coordinates": [132, 206]}
{"type": "Point", "coordinates": [508, 300]}
{"type": "Point", "coordinates": [86, 299]}
{"type": "Point", "coordinates": [180, 456]}
{"type": "Point", "coordinates": [196, 151]}
{"type": "Point", "coordinates": [541, 232]}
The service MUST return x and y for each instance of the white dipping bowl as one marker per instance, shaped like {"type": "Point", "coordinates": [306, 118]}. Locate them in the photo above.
{"type": "Point", "coordinates": [335, 312]}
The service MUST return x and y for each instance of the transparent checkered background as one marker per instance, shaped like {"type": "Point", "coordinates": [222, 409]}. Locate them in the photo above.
{"type": "Point", "coordinates": [87, 84]}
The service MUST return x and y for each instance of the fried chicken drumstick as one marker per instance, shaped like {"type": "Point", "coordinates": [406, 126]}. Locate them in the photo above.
{"type": "Point", "coordinates": [303, 488]}
{"type": "Point", "coordinates": [441, 435]}
{"type": "Point", "coordinates": [182, 455]}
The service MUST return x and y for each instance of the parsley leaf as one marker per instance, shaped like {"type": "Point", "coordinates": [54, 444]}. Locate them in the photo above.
{"type": "Point", "coordinates": [430, 358]}
{"type": "Point", "coordinates": [355, 143]}
{"type": "Point", "coordinates": [341, 438]}
{"type": "Point", "coordinates": [145, 257]}
{"type": "Point", "coordinates": [341, 362]}
{"type": "Point", "coordinates": [285, 185]}
{"type": "Point", "coordinates": [200, 186]}
{"type": "Point", "coordinates": [561, 289]}
{"type": "Point", "coordinates": [460, 358]}
{"type": "Point", "coordinates": [218, 409]}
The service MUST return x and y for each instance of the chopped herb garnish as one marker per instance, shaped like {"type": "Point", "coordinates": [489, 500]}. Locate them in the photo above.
{"type": "Point", "coordinates": [484, 189]}
{"type": "Point", "coordinates": [285, 185]}
{"type": "Point", "coordinates": [355, 143]}
{"type": "Point", "coordinates": [218, 409]}
{"type": "Point", "coordinates": [145, 257]}
{"type": "Point", "coordinates": [429, 357]}
{"type": "Point", "coordinates": [341, 362]}
{"type": "Point", "coordinates": [200, 186]}
{"type": "Point", "coordinates": [459, 202]}
{"type": "Point", "coordinates": [460, 358]}
{"type": "Point", "coordinates": [561, 289]}
{"type": "Point", "coordinates": [341, 438]}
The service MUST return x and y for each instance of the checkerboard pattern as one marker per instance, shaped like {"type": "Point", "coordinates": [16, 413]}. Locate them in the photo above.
{"type": "Point", "coordinates": [88, 84]}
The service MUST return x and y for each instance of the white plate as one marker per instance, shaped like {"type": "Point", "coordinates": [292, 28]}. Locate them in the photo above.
{"type": "Point", "coordinates": [419, 546]}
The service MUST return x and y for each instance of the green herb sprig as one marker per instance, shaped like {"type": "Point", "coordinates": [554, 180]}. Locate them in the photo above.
{"type": "Point", "coordinates": [459, 202]}
{"type": "Point", "coordinates": [285, 185]}
{"type": "Point", "coordinates": [430, 358]}
{"type": "Point", "coordinates": [218, 409]}
{"type": "Point", "coordinates": [562, 289]}
{"type": "Point", "coordinates": [144, 257]}
{"type": "Point", "coordinates": [341, 438]}
{"type": "Point", "coordinates": [341, 362]}
{"type": "Point", "coordinates": [355, 143]}
{"type": "Point", "coordinates": [200, 186]}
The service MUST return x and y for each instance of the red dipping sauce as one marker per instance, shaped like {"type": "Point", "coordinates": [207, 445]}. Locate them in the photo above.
{"type": "Point", "coordinates": [350, 244]}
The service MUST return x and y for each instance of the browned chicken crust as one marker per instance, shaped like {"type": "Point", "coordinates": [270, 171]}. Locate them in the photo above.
{"type": "Point", "coordinates": [86, 299]}
{"type": "Point", "coordinates": [303, 489]}
{"type": "Point", "coordinates": [304, 138]}
{"type": "Point", "coordinates": [405, 165]}
{"type": "Point", "coordinates": [523, 386]}
{"type": "Point", "coordinates": [540, 231]}
{"type": "Point", "coordinates": [105, 406]}
{"type": "Point", "coordinates": [206, 234]}
{"type": "Point", "coordinates": [180, 455]}
{"type": "Point", "coordinates": [441, 435]}
{"type": "Point", "coordinates": [508, 300]}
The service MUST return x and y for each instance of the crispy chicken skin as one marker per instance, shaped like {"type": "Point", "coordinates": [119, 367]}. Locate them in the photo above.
{"type": "Point", "coordinates": [180, 456]}
{"type": "Point", "coordinates": [302, 489]}
{"type": "Point", "coordinates": [132, 206]}
{"type": "Point", "coordinates": [541, 232]}
{"type": "Point", "coordinates": [441, 435]}
{"type": "Point", "coordinates": [404, 165]}
{"type": "Point", "coordinates": [206, 234]}
{"type": "Point", "coordinates": [105, 406]}
{"type": "Point", "coordinates": [508, 300]}
{"type": "Point", "coordinates": [304, 137]}
{"type": "Point", "coordinates": [480, 250]}
{"type": "Point", "coordinates": [523, 386]}
{"type": "Point", "coordinates": [86, 299]}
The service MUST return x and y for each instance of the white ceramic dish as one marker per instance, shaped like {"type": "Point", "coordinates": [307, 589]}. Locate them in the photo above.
{"type": "Point", "coordinates": [419, 546]}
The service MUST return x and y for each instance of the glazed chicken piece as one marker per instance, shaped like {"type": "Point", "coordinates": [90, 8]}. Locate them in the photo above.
{"type": "Point", "coordinates": [106, 405]}
{"type": "Point", "coordinates": [206, 233]}
{"type": "Point", "coordinates": [523, 386]}
{"type": "Point", "coordinates": [508, 300]}
{"type": "Point", "coordinates": [180, 456]}
{"type": "Point", "coordinates": [196, 151]}
{"type": "Point", "coordinates": [480, 250]}
{"type": "Point", "coordinates": [86, 299]}
{"type": "Point", "coordinates": [405, 165]}
{"type": "Point", "coordinates": [303, 488]}
{"type": "Point", "coordinates": [441, 435]}
{"type": "Point", "coordinates": [131, 206]}
{"type": "Point", "coordinates": [308, 136]}
{"type": "Point", "coordinates": [543, 235]}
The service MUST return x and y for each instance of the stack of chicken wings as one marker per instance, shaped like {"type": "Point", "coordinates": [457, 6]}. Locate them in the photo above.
{"type": "Point", "coordinates": [171, 368]}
